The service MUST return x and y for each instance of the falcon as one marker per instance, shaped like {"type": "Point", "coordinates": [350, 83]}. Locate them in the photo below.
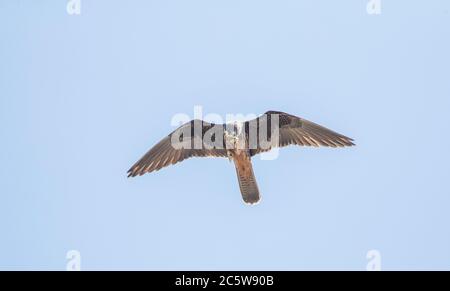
{"type": "Point", "coordinates": [239, 142]}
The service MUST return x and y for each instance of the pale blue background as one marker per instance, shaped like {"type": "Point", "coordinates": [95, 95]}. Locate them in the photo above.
{"type": "Point", "coordinates": [83, 97]}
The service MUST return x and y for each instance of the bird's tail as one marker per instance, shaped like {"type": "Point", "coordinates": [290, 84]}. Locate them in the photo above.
{"type": "Point", "coordinates": [247, 181]}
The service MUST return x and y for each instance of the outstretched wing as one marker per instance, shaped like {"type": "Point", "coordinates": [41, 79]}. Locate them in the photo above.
{"type": "Point", "coordinates": [295, 130]}
{"type": "Point", "coordinates": [168, 151]}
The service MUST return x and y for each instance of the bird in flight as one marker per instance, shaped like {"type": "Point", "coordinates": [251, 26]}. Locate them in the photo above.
{"type": "Point", "coordinates": [238, 141]}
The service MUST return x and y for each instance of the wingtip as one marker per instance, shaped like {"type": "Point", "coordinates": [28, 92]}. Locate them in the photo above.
{"type": "Point", "coordinates": [348, 141]}
{"type": "Point", "coordinates": [351, 142]}
{"type": "Point", "coordinates": [130, 173]}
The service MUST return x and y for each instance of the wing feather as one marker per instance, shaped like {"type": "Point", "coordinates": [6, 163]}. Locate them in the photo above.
{"type": "Point", "coordinates": [299, 131]}
{"type": "Point", "coordinates": [164, 153]}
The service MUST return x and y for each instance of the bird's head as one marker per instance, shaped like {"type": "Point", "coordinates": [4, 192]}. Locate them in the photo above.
{"type": "Point", "coordinates": [234, 134]}
{"type": "Point", "coordinates": [233, 130]}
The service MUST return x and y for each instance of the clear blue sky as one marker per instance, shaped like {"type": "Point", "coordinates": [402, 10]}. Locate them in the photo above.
{"type": "Point", "coordinates": [82, 97]}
